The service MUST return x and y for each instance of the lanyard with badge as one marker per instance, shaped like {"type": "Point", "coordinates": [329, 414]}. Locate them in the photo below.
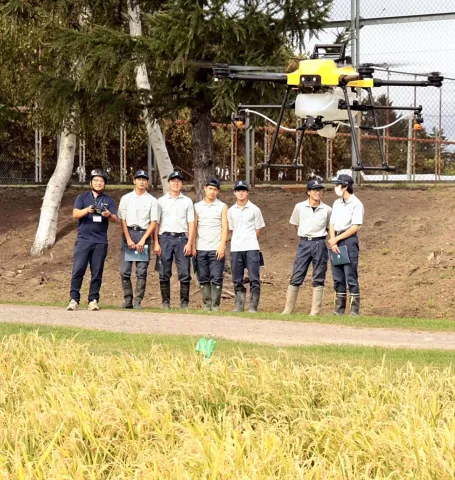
{"type": "Point", "coordinates": [99, 206]}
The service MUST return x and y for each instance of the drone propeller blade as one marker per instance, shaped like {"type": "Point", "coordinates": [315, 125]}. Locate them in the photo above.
{"type": "Point", "coordinates": [235, 68]}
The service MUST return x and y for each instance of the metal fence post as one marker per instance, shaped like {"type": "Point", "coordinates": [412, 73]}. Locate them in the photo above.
{"type": "Point", "coordinates": [247, 147]}
{"type": "Point", "coordinates": [38, 157]}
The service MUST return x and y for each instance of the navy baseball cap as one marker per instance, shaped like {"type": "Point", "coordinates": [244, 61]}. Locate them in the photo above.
{"type": "Point", "coordinates": [141, 173]}
{"type": "Point", "coordinates": [314, 185]}
{"type": "Point", "coordinates": [175, 174]}
{"type": "Point", "coordinates": [213, 182]}
{"type": "Point", "coordinates": [344, 180]}
{"type": "Point", "coordinates": [240, 185]}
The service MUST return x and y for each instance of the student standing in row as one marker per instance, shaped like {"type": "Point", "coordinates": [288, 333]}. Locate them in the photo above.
{"type": "Point", "coordinates": [347, 217]}
{"type": "Point", "coordinates": [245, 220]}
{"type": "Point", "coordinates": [312, 220]}
{"type": "Point", "coordinates": [138, 212]}
{"type": "Point", "coordinates": [94, 210]}
{"type": "Point", "coordinates": [175, 239]}
{"type": "Point", "coordinates": [211, 236]}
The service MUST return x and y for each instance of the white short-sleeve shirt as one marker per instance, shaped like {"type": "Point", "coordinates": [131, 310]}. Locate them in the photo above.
{"type": "Point", "coordinates": [209, 224]}
{"type": "Point", "coordinates": [244, 221]}
{"type": "Point", "coordinates": [311, 223]}
{"type": "Point", "coordinates": [347, 213]}
{"type": "Point", "coordinates": [175, 213]}
{"type": "Point", "coordinates": [138, 210]}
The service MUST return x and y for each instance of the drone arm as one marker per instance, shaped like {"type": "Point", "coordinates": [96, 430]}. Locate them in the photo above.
{"type": "Point", "coordinates": [263, 77]}
{"type": "Point", "coordinates": [343, 80]}
{"type": "Point", "coordinates": [433, 81]}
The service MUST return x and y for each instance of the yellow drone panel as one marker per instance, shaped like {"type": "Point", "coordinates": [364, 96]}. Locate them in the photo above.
{"type": "Point", "coordinates": [325, 73]}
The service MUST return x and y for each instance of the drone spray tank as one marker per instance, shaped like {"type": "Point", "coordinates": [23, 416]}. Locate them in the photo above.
{"type": "Point", "coordinates": [324, 107]}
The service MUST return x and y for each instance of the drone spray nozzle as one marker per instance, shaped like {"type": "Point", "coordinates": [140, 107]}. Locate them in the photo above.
{"type": "Point", "coordinates": [238, 119]}
{"type": "Point", "coordinates": [418, 119]}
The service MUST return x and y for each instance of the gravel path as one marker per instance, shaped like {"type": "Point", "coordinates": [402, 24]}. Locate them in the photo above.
{"type": "Point", "coordinates": [272, 332]}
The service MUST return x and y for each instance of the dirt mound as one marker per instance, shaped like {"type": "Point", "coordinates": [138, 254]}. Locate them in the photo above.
{"type": "Point", "coordinates": [406, 265]}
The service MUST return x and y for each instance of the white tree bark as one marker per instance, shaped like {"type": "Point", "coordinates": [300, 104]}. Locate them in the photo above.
{"type": "Point", "coordinates": [47, 227]}
{"type": "Point", "coordinates": [163, 162]}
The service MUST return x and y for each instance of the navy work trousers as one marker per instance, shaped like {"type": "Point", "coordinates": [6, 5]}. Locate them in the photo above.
{"type": "Point", "coordinates": [93, 254]}
{"type": "Point", "coordinates": [346, 276]}
{"type": "Point", "coordinates": [127, 267]}
{"type": "Point", "coordinates": [172, 247]}
{"type": "Point", "coordinates": [251, 260]}
{"type": "Point", "coordinates": [209, 268]}
{"type": "Point", "coordinates": [310, 251]}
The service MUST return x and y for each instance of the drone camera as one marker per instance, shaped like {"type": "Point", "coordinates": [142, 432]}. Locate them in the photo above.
{"type": "Point", "coordinates": [310, 80]}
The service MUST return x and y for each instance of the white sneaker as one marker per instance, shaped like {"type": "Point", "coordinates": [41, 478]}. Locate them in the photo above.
{"type": "Point", "coordinates": [93, 306]}
{"type": "Point", "coordinates": [73, 305]}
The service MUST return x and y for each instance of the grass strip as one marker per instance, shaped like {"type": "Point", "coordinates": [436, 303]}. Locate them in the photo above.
{"type": "Point", "coordinates": [102, 342]}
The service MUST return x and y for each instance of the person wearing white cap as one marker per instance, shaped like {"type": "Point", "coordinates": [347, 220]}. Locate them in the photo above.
{"type": "Point", "coordinates": [311, 219]}
{"type": "Point", "coordinates": [139, 213]}
{"type": "Point", "coordinates": [245, 220]}
{"type": "Point", "coordinates": [347, 217]}
{"type": "Point", "coordinates": [175, 239]}
{"type": "Point", "coordinates": [211, 235]}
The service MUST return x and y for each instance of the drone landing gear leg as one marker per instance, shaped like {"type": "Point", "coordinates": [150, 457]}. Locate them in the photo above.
{"type": "Point", "coordinates": [385, 165]}
{"type": "Point", "coordinates": [354, 136]}
{"type": "Point", "coordinates": [277, 128]}
{"type": "Point", "coordinates": [299, 146]}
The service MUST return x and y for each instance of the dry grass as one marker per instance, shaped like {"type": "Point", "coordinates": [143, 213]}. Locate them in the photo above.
{"type": "Point", "coordinates": [66, 413]}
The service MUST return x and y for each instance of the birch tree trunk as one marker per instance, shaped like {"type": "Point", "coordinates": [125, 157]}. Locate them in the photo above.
{"type": "Point", "coordinates": [163, 162]}
{"type": "Point", "coordinates": [47, 227]}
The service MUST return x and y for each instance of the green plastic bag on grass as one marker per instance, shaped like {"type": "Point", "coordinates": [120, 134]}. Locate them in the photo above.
{"type": "Point", "coordinates": [206, 347]}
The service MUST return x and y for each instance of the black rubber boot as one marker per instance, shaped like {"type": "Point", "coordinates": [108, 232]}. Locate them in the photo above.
{"type": "Point", "coordinates": [340, 304]}
{"type": "Point", "coordinates": [165, 288]}
{"type": "Point", "coordinates": [239, 301]}
{"type": "Point", "coordinates": [184, 295]}
{"type": "Point", "coordinates": [140, 292]}
{"type": "Point", "coordinates": [206, 290]}
{"type": "Point", "coordinates": [355, 304]}
{"type": "Point", "coordinates": [127, 293]}
{"type": "Point", "coordinates": [254, 301]}
{"type": "Point", "coordinates": [216, 296]}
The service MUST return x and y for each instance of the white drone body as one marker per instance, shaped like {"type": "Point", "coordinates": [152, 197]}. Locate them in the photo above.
{"type": "Point", "coordinates": [324, 106]}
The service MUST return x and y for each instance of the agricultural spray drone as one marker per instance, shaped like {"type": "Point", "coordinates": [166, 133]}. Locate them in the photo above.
{"type": "Point", "coordinates": [326, 96]}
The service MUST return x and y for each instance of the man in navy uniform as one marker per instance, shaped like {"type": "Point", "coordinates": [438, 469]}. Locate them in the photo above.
{"type": "Point", "coordinates": [94, 210]}
{"type": "Point", "coordinates": [311, 219]}
{"type": "Point", "coordinates": [347, 217]}
{"type": "Point", "coordinates": [139, 213]}
{"type": "Point", "coordinates": [211, 235]}
{"type": "Point", "coordinates": [175, 239]}
{"type": "Point", "coordinates": [245, 220]}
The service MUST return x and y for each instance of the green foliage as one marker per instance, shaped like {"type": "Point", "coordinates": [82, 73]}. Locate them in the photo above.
{"type": "Point", "coordinates": [184, 33]}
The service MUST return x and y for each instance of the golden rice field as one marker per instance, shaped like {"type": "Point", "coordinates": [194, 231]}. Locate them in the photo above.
{"type": "Point", "coordinates": [69, 414]}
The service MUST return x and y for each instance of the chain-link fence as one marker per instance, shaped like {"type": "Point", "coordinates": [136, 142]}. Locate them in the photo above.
{"type": "Point", "coordinates": [405, 41]}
